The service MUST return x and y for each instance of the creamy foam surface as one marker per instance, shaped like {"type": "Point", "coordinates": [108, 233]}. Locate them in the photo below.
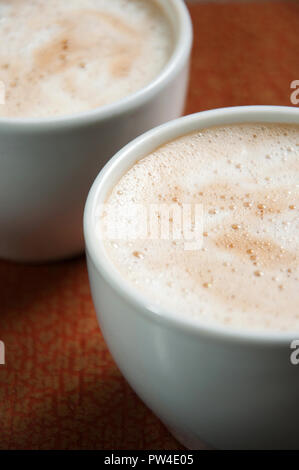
{"type": "Point", "coordinates": [65, 57]}
{"type": "Point", "coordinates": [247, 272]}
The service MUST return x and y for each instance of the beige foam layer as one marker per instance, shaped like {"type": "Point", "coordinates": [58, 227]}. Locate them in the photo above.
{"type": "Point", "coordinates": [65, 57]}
{"type": "Point", "coordinates": [246, 274]}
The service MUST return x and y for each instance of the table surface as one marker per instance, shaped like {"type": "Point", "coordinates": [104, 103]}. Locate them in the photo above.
{"type": "Point", "coordinates": [60, 388]}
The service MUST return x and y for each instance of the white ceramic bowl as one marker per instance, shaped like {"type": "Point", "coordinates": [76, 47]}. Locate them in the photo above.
{"type": "Point", "coordinates": [226, 387]}
{"type": "Point", "coordinates": [47, 165]}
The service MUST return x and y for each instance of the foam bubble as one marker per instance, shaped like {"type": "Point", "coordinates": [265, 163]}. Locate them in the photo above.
{"type": "Point", "coordinates": [64, 57]}
{"type": "Point", "coordinates": [247, 273]}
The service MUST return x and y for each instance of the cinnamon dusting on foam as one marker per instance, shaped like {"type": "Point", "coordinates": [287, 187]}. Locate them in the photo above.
{"type": "Point", "coordinates": [247, 273]}
{"type": "Point", "coordinates": [63, 57]}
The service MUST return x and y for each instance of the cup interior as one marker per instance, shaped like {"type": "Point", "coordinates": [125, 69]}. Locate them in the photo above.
{"type": "Point", "coordinates": [123, 161]}
{"type": "Point", "coordinates": [178, 17]}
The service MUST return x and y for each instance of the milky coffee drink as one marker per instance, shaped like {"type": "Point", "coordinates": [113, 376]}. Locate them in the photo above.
{"type": "Point", "coordinates": [246, 272]}
{"type": "Point", "coordinates": [60, 57]}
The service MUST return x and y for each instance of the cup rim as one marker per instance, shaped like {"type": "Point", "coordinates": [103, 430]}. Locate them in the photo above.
{"type": "Point", "coordinates": [136, 150]}
{"type": "Point", "coordinates": [181, 51]}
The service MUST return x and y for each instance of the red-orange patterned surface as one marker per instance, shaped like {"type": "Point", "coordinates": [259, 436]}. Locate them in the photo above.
{"type": "Point", "coordinates": [60, 388]}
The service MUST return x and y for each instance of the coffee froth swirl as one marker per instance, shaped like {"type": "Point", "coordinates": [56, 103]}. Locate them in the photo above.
{"type": "Point", "coordinates": [64, 57]}
{"type": "Point", "coordinates": [247, 272]}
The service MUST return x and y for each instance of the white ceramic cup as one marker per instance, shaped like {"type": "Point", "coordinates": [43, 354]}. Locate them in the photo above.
{"type": "Point", "coordinates": [229, 388]}
{"type": "Point", "coordinates": [47, 165]}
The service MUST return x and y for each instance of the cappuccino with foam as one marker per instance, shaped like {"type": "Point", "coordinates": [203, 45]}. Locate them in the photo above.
{"type": "Point", "coordinates": [246, 272]}
{"type": "Point", "coordinates": [66, 57]}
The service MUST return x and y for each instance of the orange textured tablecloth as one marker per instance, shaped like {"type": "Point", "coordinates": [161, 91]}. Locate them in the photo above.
{"type": "Point", "coordinates": [60, 388]}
